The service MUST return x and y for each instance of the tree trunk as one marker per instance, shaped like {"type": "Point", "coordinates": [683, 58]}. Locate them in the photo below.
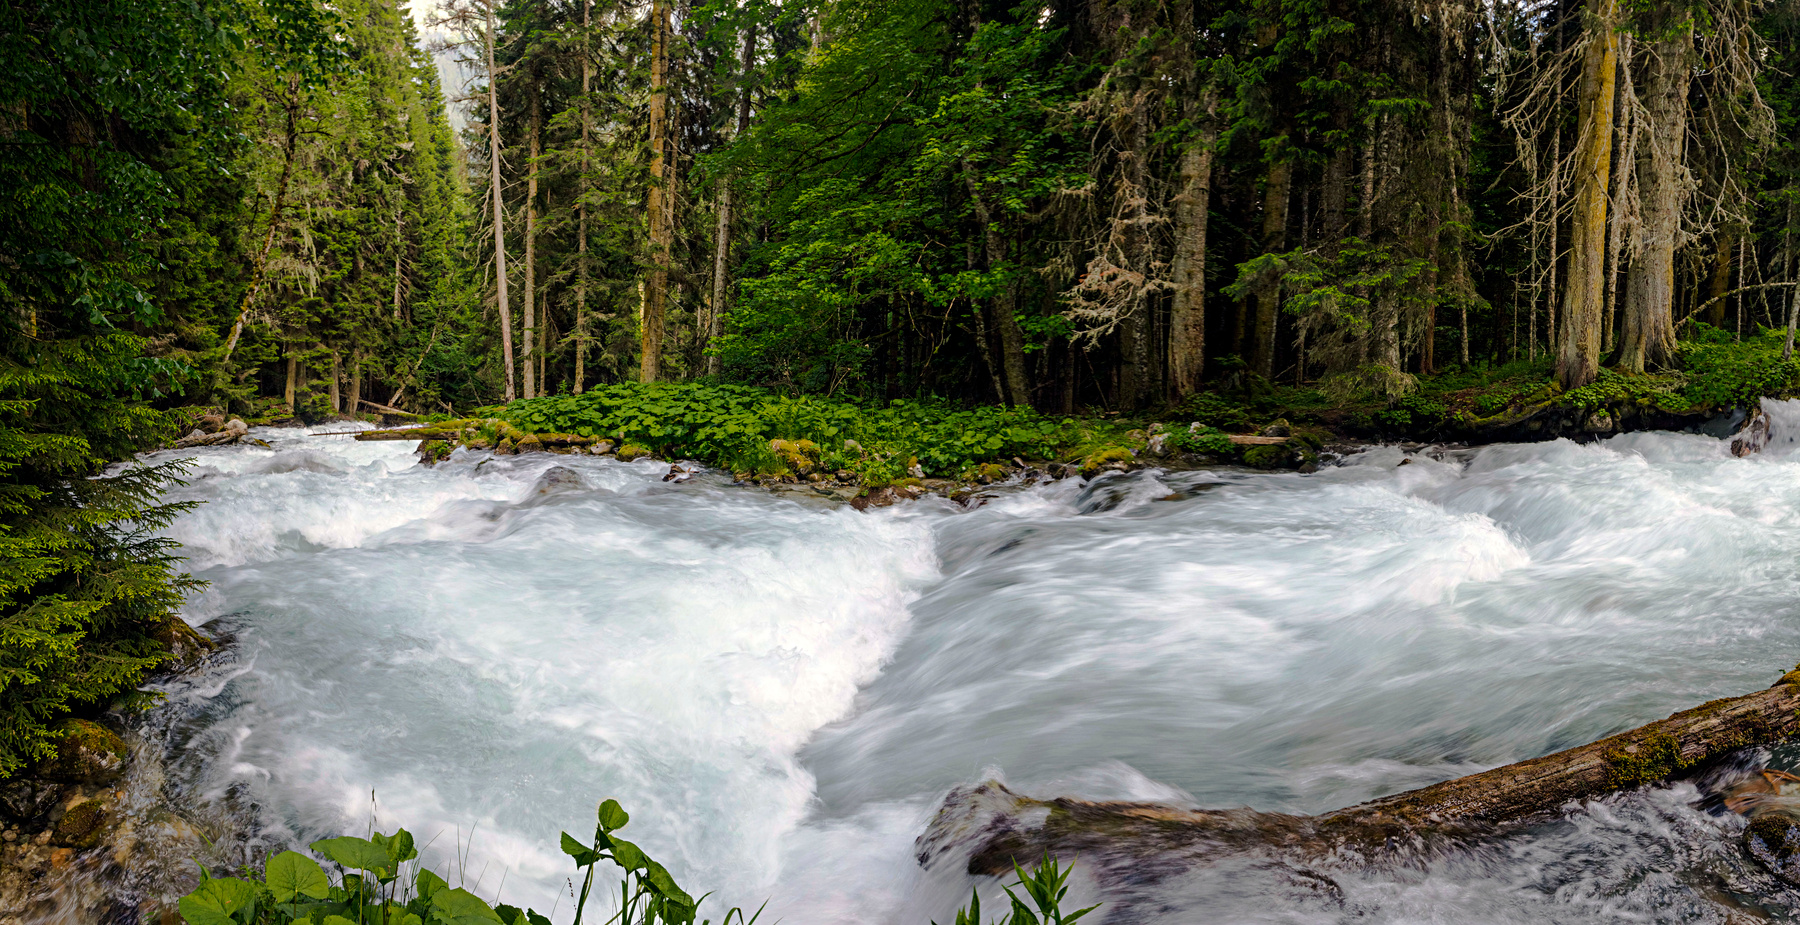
{"type": "Point", "coordinates": [291, 393]}
{"type": "Point", "coordinates": [1578, 359]}
{"type": "Point", "coordinates": [722, 241]}
{"type": "Point", "coordinates": [581, 186]}
{"type": "Point", "coordinates": [1116, 832]}
{"type": "Point", "coordinates": [337, 397]}
{"type": "Point", "coordinates": [399, 252]}
{"type": "Point", "coordinates": [661, 195]}
{"type": "Point", "coordinates": [1274, 240]}
{"type": "Point", "coordinates": [1624, 156]}
{"type": "Point", "coordinates": [1721, 279]}
{"type": "Point", "coordinates": [259, 266]}
{"type": "Point", "coordinates": [1648, 338]}
{"type": "Point", "coordinates": [535, 130]}
{"type": "Point", "coordinates": [1017, 392]}
{"type": "Point", "coordinates": [499, 205]}
{"type": "Point", "coordinates": [355, 396]}
{"type": "Point", "coordinates": [1187, 269]}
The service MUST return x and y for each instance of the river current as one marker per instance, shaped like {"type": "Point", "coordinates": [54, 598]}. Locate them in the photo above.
{"type": "Point", "coordinates": [782, 691]}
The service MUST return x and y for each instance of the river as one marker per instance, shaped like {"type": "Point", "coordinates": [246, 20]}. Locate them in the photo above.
{"type": "Point", "coordinates": [782, 691]}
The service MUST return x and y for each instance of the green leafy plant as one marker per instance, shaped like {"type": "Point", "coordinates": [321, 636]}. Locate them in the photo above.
{"type": "Point", "coordinates": [1045, 887]}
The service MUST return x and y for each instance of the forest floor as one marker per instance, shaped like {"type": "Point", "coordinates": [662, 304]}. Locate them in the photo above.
{"type": "Point", "coordinates": [768, 437]}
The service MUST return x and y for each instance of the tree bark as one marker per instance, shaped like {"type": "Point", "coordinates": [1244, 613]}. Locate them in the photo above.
{"type": "Point", "coordinates": [1578, 358]}
{"type": "Point", "coordinates": [1003, 306]}
{"type": "Point", "coordinates": [661, 196]}
{"type": "Point", "coordinates": [1685, 742]}
{"type": "Point", "coordinates": [337, 403]}
{"type": "Point", "coordinates": [581, 187]}
{"type": "Point", "coordinates": [1721, 279]}
{"type": "Point", "coordinates": [535, 130]}
{"type": "Point", "coordinates": [1274, 240]}
{"type": "Point", "coordinates": [291, 393]}
{"type": "Point", "coordinates": [715, 326]}
{"type": "Point", "coordinates": [1187, 268]}
{"type": "Point", "coordinates": [260, 265]}
{"type": "Point", "coordinates": [499, 205]}
{"type": "Point", "coordinates": [1648, 338]}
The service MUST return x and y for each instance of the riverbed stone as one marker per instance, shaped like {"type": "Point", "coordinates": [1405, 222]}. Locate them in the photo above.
{"type": "Point", "coordinates": [87, 753]}
{"type": "Point", "coordinates": [84, 823]}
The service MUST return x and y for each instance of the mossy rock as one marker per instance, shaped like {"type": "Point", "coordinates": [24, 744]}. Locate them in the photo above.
{"type": "Point", "coordinates": [83, 825]}
{"type": "Point", "coordinates": [186, 645]}
{"type": "Point", "coordinates": [631, 451]}
{"type": "Point", "coordinates": [87, 753]}
{"type": "Point", "coordinates": [799, 456]}
{"type": "Point", "coordinates": [529, 444]}
{"type": "Point", "coordinates": [989, 473]}
{"type": "Point", "coordinates": [1273, 456]}
{"type": "Point", "coordinates": [432, 452]}
{"type": "Point", "coordinates": [1115, 457]}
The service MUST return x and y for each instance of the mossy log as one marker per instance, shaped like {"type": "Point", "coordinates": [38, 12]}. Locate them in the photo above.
{"type": "Point", "coordinates": [991, 817]}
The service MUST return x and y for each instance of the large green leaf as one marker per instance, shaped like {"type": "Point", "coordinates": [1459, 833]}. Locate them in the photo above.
{"type": "Point", "coordinates": [613, 816]}
{"type": "Point", "coordinates": [356, 854]}
{"type": "Point", "coordinates": [290, 875]}
{"type": "Point", "coordinates": [217, 902]}
{"type": "Point", "coordinates": [627, 855]}
{"type": "Point", "coordinates": [399, 845]}
{"type": "Point", "coordinates": [583, 855]}
{"type": "Point", "coordinates": [461, 907]}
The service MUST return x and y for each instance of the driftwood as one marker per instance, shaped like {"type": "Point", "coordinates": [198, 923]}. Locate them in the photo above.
{"type": "Point", "coordinates": [990, 820]}
{"type": "Point", "coordinates": [389, 409]}
{"type": "Point", "coordinates": [1252, 440]}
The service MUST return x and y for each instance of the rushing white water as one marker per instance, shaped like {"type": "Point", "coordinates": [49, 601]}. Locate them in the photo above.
{"type": "Point", "coordinates": [781, 692]}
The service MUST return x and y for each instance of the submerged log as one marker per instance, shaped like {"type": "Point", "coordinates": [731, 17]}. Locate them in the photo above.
{"type": "Point", "coordinates": [992, 820]}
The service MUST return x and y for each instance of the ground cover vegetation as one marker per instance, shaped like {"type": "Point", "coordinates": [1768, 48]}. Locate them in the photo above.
{"type": "Point", "coordinates": [380, 880]}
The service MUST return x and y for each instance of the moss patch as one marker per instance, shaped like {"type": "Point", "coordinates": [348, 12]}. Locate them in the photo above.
{"type": "Point", "coordinates": [82, 825]}
{"type": "Point", "coordinates": [1646, 759]}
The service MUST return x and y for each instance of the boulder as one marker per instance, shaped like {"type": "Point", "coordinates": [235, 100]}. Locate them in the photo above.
{"type": "Point", "coordinates": [86, 753]}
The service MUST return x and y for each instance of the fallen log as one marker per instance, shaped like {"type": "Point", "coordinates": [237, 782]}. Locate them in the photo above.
{"type": "Point", "coordinates": [990, 820]}
{"type": "Point", "coordinates": [1253, 440]}
{"type": "Point", "coordinates": [390, 410]}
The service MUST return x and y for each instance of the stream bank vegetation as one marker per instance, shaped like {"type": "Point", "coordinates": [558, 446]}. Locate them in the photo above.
{"type": "Point", "coordinates": [379, 880]}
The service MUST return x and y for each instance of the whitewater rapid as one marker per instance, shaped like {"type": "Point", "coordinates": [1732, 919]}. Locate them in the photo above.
{"type": "Point", "coordinates": [782, 691]}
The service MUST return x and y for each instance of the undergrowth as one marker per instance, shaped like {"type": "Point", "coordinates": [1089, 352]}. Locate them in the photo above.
{"type": "Point", "coordinates": [379, 881]}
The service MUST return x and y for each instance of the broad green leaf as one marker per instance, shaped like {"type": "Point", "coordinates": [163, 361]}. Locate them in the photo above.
{"type": "Point", "coordinates": [337, 920]}
{"type": "Point", "coordinates": [399, 846]}
{"type": "Point", "coordinates": [428, 884]}
{"type": "Point", "coordinates": [583, 855]}
{"type": "Point", "coordinates": [216, 902]}
{"type": "Point", "coordinates": [355, 853]}
{"type": "Point", "coordinates": [461, 907]}
{"type": "Point", "coordinates": [290, 875]}
{"type": "Point", "coordinates": [613, 816]}
{"type": "Point", "coordinates": [627, 855]}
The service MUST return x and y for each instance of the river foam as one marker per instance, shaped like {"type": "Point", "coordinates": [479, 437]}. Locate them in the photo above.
{"type": "Point", "coordinates": [781, 692]}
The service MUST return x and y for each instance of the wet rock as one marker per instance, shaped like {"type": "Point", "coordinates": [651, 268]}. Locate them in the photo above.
{"type": "Point", "coordinates": [432, 452]}
{"type": "Point", "coordinates": [916, 471]}
{"type": "Point", "coordinates": [1754, 437]}
{"type": "Point", "coordinates": [82, 826]}
{"type": "Point", "coordinates": [846, 476]}
{"type": "Point", "coordinates": [678, 474]}
{"type": "Point", "coordinates": [557, 478]}
{"type": "Point", "coordinates": [237, 426]}
{"type": "Point", "coordinates": [601, 447]}
{"type": "Point", "coordinates": [529, 444]}
{"type": "Point", "coordinates": [1279, 428]}
{"type": "Point", "coordinates": [631, 451]}
{"type": "Point", "coordinates": [1158, 446]}
{"type": "Point", "coordinates": [1600, 422]}
{"type": "Point", "coordinates": [87, 753]}
{"type": "Point", "coordinates": [186, 645]}
{"type": "Point", "coordinates": [25, 798]}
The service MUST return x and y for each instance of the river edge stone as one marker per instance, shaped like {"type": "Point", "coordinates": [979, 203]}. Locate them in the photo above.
{"type": "Point", "coordinates": [100, 834]}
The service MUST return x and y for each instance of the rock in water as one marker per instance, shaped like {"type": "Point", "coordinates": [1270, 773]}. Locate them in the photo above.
{"type": "Point", "coordinates": [1754, 437]}
{"type": "Point", "coordinates": [557, 479]}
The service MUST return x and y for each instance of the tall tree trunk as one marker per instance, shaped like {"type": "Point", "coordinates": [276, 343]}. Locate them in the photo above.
{"type": "Point", "coordinates": [1187, 267]}
{"type": "Point", "coordinates": [291, 393]}
{"type": "Point", "coordinates": [337, 398]}
{"type": "Point", "coordinates": [1721, 278]}
{"type": "Point", "coordinates": [259, 266]}
{"type": "Point", "coordinates": [499, 206]}
{"type": "Point", "coordinates": [661, 195]}
{"type": "Point", "coordinates": [1274, 241]}
{"type": "Point", "coordinates": [399, 252]}
{"type": "Point", "coordinates": [1578, 359]}
{"type": "Point", "coordinates": [1003, 306]}
{"type": "Point", "coordinates": [535, 129]}
{"type": "Point", "coordinates": [722, 239]}
{"type": "Point", "coordinates": [1648, 335]}
{"type": "Point", "coordinates": [581, 184]}
{"type": "Point", "coordinates": [354, 399]}
{"type": "Point", "coordinates": [1624, 157]}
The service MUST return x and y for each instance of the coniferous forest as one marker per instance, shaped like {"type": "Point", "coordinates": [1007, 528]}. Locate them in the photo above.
{"type": "Point", "coordinates": [1010, 230]}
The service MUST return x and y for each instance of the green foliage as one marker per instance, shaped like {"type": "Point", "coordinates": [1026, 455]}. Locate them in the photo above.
{"type": "Point", "coordinates": [390, 886]}
{"type": "Point", "coordinates": [1202, 439]}
{"type": "Point", "coordinates": [1045, 888]}
{"type": "Point", "coordinates": [733, 426]}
